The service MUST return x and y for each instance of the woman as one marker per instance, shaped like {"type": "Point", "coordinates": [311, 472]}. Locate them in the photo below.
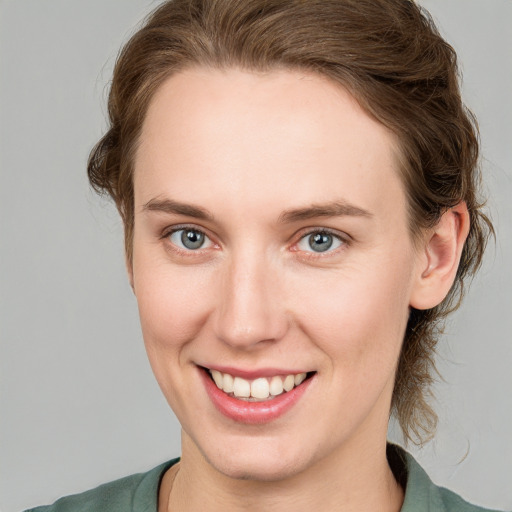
{"type": "Point", "coordinates": [298, 187]}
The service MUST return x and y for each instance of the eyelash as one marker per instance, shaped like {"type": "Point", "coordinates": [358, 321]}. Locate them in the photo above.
{"type": "Point", "coordinates": [187, 252]}
{"type": "Point", "coordinates": [343, 240]}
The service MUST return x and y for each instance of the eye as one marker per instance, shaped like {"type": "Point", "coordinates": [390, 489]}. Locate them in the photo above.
{"type": "Point", "coordinates": [189, 239]}
{"type": "Point", "coordinates": [320, 241]}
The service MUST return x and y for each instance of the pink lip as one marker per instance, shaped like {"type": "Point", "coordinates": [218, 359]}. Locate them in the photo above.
{"type": "Point", "coordinates": [252, 412]}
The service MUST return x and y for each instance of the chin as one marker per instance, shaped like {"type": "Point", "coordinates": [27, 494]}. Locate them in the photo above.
{"type": "Point", "coordinates": [259, 460]}
{"type": "Point", "coordinates": [262, 469]}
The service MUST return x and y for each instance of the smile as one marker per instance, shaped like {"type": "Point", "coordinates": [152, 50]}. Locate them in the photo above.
{"type": "Point", "coordinates": [258, 397]}
{"type": "Point", "coordinates": [259, 389]}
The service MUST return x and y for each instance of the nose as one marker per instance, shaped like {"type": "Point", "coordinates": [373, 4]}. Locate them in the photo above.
{"type": "Point", "coordinates": [250, 309]}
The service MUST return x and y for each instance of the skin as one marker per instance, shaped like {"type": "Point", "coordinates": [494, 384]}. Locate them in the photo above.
{"type": "Point", "coordinates": [249, 148]}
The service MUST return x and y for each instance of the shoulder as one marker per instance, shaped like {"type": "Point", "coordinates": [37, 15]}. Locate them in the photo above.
{"type": "Point", "coordinates": [135, 493]}
{"type": "Point", "coordinates": [422, 495]}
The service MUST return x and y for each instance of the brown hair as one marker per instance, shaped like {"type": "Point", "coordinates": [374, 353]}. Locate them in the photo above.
{"type": "Point", "coordinates": [388, 54]}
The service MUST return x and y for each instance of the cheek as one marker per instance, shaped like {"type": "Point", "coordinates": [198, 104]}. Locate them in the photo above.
{"type": "Point", "coordinates": [358, 317]}
{"type": "Point", "coordinates": [173, 307]}
{"type": "Point", "coordinates": [173, 302]}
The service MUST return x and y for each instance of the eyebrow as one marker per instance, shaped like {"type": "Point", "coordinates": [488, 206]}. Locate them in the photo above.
{"type": "Point", "coordinates": [175, 207]}
{"type": "Point", "coordinates": [331, 209]}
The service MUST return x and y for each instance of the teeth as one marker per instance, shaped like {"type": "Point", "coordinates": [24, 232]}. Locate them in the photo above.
{"type": "Point", "coordinates": [261, 388]}
{"type": "Point", "coordinates": [299, 378]}
{"type": "Point", "coordinates": [276, 386]}
{"type": "Point", "coordinates": [228, 383]}
{"type": "Point", "coordinates": [289, 383]}
{"type": "Point", "coordinates": [217, 377]}
{"type": "Point", "coordinates": [241, 388]}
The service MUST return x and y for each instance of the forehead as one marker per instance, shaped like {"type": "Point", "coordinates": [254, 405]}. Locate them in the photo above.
{"type": "Point", "coordinates": [294, 136]}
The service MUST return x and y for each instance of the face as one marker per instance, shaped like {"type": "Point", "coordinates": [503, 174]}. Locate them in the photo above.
{"type": "Point", "coordinates": [271, 254]}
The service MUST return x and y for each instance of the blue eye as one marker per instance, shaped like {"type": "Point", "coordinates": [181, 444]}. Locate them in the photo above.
{"type": "Point", "coordinates": [319, 241]}
{"type": "Point", "coordinates": [189, 239]}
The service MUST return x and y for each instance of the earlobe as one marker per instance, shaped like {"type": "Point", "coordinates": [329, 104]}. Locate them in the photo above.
{"type": "Point", "coordinates": [129, 271]}
{"type": "Point", "coordinates": [440, 257]}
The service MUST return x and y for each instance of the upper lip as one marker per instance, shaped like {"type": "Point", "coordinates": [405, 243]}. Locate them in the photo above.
{"type": "Point", "coordinates": [252, 373]}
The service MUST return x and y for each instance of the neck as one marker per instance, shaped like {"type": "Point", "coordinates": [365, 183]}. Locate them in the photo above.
{"type": "Point", "coordinates": [359, 479]}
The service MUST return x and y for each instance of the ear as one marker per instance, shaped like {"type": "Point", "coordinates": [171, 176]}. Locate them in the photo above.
{"type": "Point", "coordinates": [129, 270]}
{"type": "Point", "coordinates": [439, 258]}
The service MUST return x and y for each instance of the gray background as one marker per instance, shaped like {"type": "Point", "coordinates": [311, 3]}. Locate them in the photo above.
{"type": "Point", "coordinates": [79, 405]}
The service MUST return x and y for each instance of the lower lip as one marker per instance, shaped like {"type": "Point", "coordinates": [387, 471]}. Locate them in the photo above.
{"type": "Point", "coordinates": [254, 413]}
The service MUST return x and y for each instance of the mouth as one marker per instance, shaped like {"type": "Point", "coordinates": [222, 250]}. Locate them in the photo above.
{"type": "Point", "coordinates": [265, 397]}
{"type": "Point", "coordinates": [260, 389]}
